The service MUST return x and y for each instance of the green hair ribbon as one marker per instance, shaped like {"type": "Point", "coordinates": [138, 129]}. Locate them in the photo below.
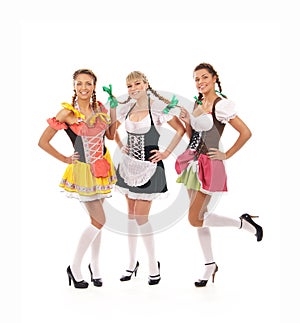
{"type": "Point", "coordinates": [197, 100]}
{"type": "Point", "coordinates": [171, 105]}
{"type": "Point", "coordinates": [111, 99]}
{"type": "Point", "coordinates": [220, 93]}
{"type": "Point", "coordinates": [200, 102]}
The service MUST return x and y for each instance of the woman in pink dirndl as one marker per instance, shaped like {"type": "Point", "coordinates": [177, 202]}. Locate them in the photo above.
{"type": "Point", "coordinates": [200, 167]}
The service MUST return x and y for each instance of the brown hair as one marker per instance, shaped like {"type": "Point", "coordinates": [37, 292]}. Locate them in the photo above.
{"type": "Point", "coordinates": [213, 72]}
{"type": "Point", "coordinates": [90, 73]}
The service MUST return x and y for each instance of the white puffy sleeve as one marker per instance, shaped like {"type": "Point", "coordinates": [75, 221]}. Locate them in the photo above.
{"type": "Point", "coordinates": [225, 110]}
{"type": "Point", "coordinates": [204, 122]}
{"type": "Point", "coordinates": [159, 117]}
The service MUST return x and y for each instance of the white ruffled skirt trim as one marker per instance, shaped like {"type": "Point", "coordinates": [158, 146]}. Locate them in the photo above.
{"type": "Point", "coordinates": [83, 198]}
{"type": "Point", "coordinates": [141, 196]}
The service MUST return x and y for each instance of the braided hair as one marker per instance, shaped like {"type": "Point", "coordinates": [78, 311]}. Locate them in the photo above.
{"type": "Point", "coordinates": [90, 73]}
{"type": "Point", "coordinates": [136, 75]}
{"type": "Point", "coordinates": [213, 72]}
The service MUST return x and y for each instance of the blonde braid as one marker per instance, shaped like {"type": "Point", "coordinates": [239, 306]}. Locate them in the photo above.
{"type": "Point", "coordinates": [126, 101]}
{"type": "Point", "coordinates": [160, 97]}
{"type": "Point", "coordinates": [136, 75]}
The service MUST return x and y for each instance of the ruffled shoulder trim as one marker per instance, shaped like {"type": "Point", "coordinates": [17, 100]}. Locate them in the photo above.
{"type": "Point", "coordinates": [158, 114]}
{"type": "Point", "coordinates": [55, 124]}
{"type": "Point", "coordinates": [77, 114]}
{"type": "Point", "coordinates": [225, 110]}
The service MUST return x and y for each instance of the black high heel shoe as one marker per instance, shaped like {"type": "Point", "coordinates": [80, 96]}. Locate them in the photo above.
{"type": "Point", "coordinates": [80, 284]}
{"type": "Point", "coordinates": [154, 280]}
{"type": "Point", "coordinates": [134, 271]}
{"type": "Point", "coordinates": [203, 282]}
{"type": "Point", "coordinates": [96, 281]}
{"type": "Point", "coordinates": [248, 218]}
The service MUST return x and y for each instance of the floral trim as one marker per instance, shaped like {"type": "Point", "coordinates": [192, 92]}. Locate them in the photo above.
{"type": "Point", "coordinates": [77, 114]}
{"type": "Point", "coordinates": [102, 116]}
{"type": "Point", "coordinates": [72, 187]}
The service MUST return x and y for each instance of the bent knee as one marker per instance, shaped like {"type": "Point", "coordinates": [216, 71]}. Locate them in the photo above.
{"type": "Point", "coordinates": [195, 221]}
{"type": "Point", "coordinates": [97, 224]}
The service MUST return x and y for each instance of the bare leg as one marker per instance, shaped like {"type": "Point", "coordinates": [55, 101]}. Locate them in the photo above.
{"type": "Point", "coordinates": [198, 206]}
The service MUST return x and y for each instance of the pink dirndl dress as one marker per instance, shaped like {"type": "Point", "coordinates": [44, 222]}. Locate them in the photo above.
{"type": "Point", "coordinates": [194, 167]}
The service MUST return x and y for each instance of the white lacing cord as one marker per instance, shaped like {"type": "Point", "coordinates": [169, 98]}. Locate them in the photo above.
{"type": "Point", "coordinates": [136, 146]}
{"type": "Point", "coordinates": [94, 147]}
{"type": "Point", "coordinates": [195, 140]}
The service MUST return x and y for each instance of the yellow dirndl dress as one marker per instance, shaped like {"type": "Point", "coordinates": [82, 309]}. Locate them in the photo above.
{"type": "Point", "coordinates": [93, 176]}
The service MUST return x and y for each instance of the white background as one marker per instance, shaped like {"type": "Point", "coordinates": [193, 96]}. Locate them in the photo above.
{"type": "Point", "coordinates": [166, 43]}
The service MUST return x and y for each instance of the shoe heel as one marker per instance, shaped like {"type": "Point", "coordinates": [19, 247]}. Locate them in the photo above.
{"type": "Point", "coordinates": [96, 281]}
{"type": "Point", "coordinates": [154, 280]}
{"type": "Point", "coordinates": [248, 218]}
{"type": "Point", "coordinates": [203, 282]}
{"type": "Point", "coordinates": [131, 272]}
{"type": "Point", "coordinates": [214, 273]}
{"type": "Point", "coordinates": [80, 284]}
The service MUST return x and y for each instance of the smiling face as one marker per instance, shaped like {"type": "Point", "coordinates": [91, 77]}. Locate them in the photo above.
{"type": "Point", "coordinates": [136, 88]}
{"type": "Point", "coordinates": [204, 81]}
{"type": "Point", "coordinates": [84, 86]}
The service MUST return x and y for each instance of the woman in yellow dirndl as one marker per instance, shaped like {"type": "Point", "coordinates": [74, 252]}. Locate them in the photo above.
{"type": "Point", "coordinates": [90, 174]}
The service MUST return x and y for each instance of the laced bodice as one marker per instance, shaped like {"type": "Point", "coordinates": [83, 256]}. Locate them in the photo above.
{"type": "Point", "coordinates": [140, 144]}
{"type": "Point", "coordinates": [195, 140]}
{"type": "Point", "coordinates": [201, 141]}
{"type": "Point", "coordinates": [136, 144]}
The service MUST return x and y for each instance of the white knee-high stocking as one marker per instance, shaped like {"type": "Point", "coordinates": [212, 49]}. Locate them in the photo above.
{"type": "Point", "coordinates": [206, 246]}
{"type": "Point", "coordinates": [95, 253]}
{"type": "Point", "coordinates": [87, 236]}
{"type": "Point", "coordinates": [205, 243]}
{"type": "Point", "coordinates": [148, 238]}
{"type": "Point", "coordinates": [214, 220]}
{"type": "Point", "coordinates": [132, 243]}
